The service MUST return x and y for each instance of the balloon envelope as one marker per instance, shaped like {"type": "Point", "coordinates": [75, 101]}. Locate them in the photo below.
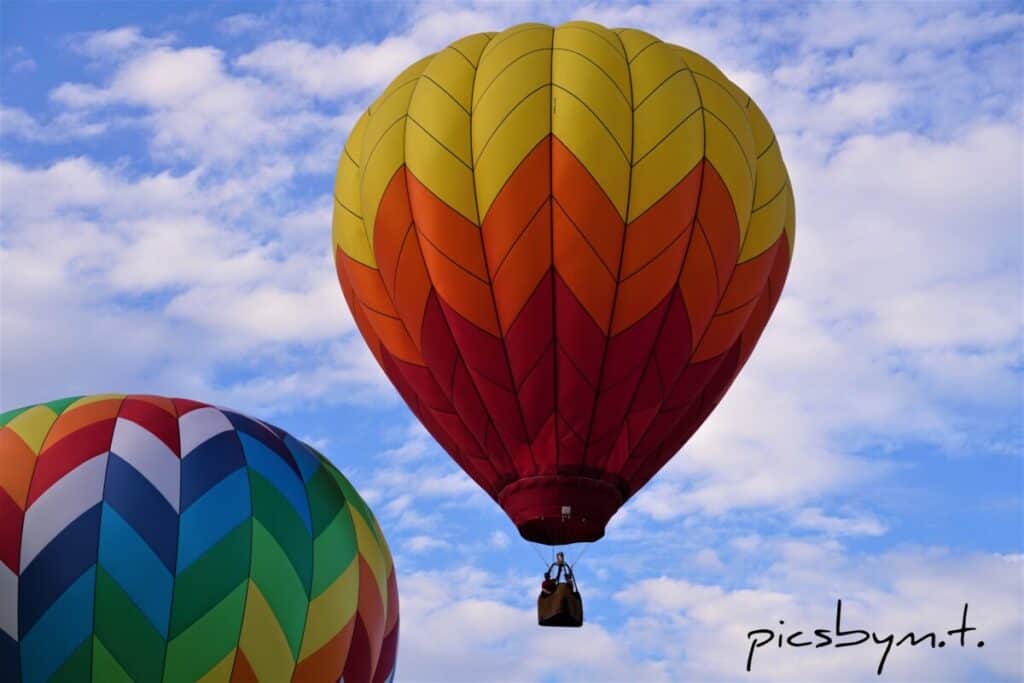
{"type": "Point", "coordinates": [562, 244]}
{"type": "Point", "coordinates": [145, 538]}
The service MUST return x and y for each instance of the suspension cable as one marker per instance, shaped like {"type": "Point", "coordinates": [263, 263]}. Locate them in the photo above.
{"type": "Point", "coordinates": [533, 546]}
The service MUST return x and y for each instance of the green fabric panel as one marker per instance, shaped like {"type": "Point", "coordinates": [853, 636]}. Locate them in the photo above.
{"type": "Point", "coordinates": [125, 631]}
{"type": "Point", "coordinates": [11, 414]}
{"type": "Point", "coordinates": [106, 668]}
{"type": "Point", "coordinates": [207, 641]}
{"type": "Point", "coordinates": [279, 518]}
{"type": "Point", "coordinates": [325, 499]}
{"type": "Point", "coordinates": [273, 572]}
{"type": "Point", "coordinates": [78, 666]}
{"type": "Point", "coordinates": [354, 499]}
{"type": "Point", "coordinates": [214, 575]}
{"type": "Point", "coordinates": [61, 404]}
{"type": "Point", "coordinates": [333, 551]}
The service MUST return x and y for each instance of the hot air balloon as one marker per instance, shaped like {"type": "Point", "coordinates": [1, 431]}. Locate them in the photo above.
{"type": "Point", "coordinates": [562, 244]}
{"type": "Point", "coordinates": [154, 539]}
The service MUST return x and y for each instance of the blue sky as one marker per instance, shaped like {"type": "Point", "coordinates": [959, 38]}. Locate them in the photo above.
{"type": "Point", "coordinates": [165, 175]}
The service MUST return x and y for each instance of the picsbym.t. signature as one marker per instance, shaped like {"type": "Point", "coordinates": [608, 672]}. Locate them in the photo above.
{"type": "Point", "coordinates": [824, 637]}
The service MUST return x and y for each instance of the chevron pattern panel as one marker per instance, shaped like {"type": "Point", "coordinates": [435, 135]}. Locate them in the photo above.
{"type": "Point", "coordinates": [154, 539]}
{"type": "Point", "coordinates": [562, 244]}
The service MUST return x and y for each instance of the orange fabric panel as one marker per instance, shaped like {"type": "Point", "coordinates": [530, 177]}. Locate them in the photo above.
{"type": "Point", "coordinates": [524, 267]}
{"type": "Point", "coordinates": [581, 269]}
{"type": "Point", "coordinates": [399, 259]}
{"type": "Point", "coordinates": [16, 474]}
{"type": "Point", "coordinates": [161, 402]}
{"type": "Point", "coordinates": [722, 333]}
{"type": "Point", "coordinates": [368, 286]}
{"type": "Point", "coordinates": [655, 229]}
{"type": "Point", "coordinates": [468, 295]}
{"type": "Point", "coordinates": [242, 671]}
{"type": "Point", "coordinates": [642, 292]}
{"type": "Point", "coordinates": [411, 288]}
{"type": "Point", "coordinates": [510, 213]}
{"type": "Point", "coordinates": [453, 253]}
{"type": "Point", "coordinates": [326, 663]}
{"type": "Point", "coordinates": [717, 214]}
{"type": "Point", "coordinates": [369, 291]}
{"type": "Point", "coordinates": [697, 283]}
{"type": "Point", "coordinates": [391, 229]}
{"type": "Point", "coordinates": [586, 204]}
{"type": "Point", "coordinates": [358, 313]}
{"type": "Point", "coordinates": [748, 279]}
{"type": "Point", "coordinates": [371, 610]}
{"type": "Point", "coordinates": [74, 419]}
{"type": "Point", "coordinates": [446, 229]}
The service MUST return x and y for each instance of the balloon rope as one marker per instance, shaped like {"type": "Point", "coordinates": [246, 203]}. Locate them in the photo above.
{"type": "Point", "coordinates": [580, 556]}
{"type": "Point", "coordinates": [533, 546]}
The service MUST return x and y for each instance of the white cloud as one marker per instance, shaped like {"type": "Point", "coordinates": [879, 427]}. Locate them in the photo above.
{"type": "Point", "coordinates": [456, 627]}
{"type": "Point", "coordinates": [331, 71]}
{"type": "Point", "coordinates": [17, 123]}
{"type": "Point", "coordinates": [115, 43]}
{"type": "Point", "coordinates": [499, 539]}
{"type": "Point", "coordinates": [469, 624]}
{"type": "Point", "coordinates": [708, 560]}
{"type": "Point", "coordinates": [917, 590]}
{"type": "Point", "coordinates": [861, 525]}
{"type": "Point", "coordinates": [242, 23]}
{"type": "Point", "coordinates": [422, 544]}
{"type": "Point", "coordinates": [886, 329]}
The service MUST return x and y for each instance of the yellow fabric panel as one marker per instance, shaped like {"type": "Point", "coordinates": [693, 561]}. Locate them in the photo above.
{"type": "Point", "coordinates": [764, 136]}
{"type": "Point", "coordinates": [346, 191]}
{"type": "Point", "coordinates": [725, 155]}
{"type": "Point", "coordinates": [222, 672]}
{"type": "Point", "coordinates": [465, 118]}
{"type": "Point", "coordinates": [593, 145]}
{"type": "Point", "coordinates": [438, 113]}
{"type": "Point", "coordinates": [666, 165]}
{"type": "Point", "coordinates": [599, 45]}
{"type": "Point", "coordinates": [771, 176]}
{"type": "Point", "coordinates": [511, 104]}
{"type": "Point", "coordinates": [576, 75]}
{"type": "Point", "coordinates": [701, 65]}
{"type": "Point", "coordinates": [766, 223]}
{"type": "Point", "coordinates": [437, 147]}
{"type": "Point", "coordinates": [491, 110]}
{"type": "Point", "coordinates": [371, 551]}
{"type": "Point", "coordinates": [406, 78]}
{"type": "Point", "coordinates": [591, 112]}
{"type": "Point", "coordinates": [262, 640]}
{"type": "Point", "coordinates": [348, 229]}
{"type": "Point", "coordinates": [674, 99]}
{"type": "Point", "coordinates": [94, 398]}
{"type": "Point", "coordinates": [350, 235]}
{"type": "Point", "coordinates": [653, 66]}
{"type": "Point", "coordinates": [32, 426]}
{"type": "Point", "coordinates": [527, 125]}
{"type": "Point", "coordinates": [440, 172]}
{"type": "Point", "coordinates": [451, 70]}
{"type": "Point", "coordinates": [634, 42]}
{"type": "Point", "coordinates": [790, 218]}
{"type": "Point", "coordinates": [502, 51]}
{"type": "Point", "coordinates": [383, 149]}
{"type": "Point", "coordinates": [379, 169]}
{"type": "Point", "coordinates": [330, 611]}
{"type": "Point", "coordinates": [774, 192]}
{"type": "Point", "coordinates": [471, 48]}
{"type": "Point", "coordinates": [383, 543]}
{"type": "Point", "coordinates": [717, 100]}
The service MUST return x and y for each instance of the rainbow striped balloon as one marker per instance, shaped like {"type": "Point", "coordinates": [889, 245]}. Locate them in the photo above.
{"type": "Point", "coordinates": [147, 538]}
